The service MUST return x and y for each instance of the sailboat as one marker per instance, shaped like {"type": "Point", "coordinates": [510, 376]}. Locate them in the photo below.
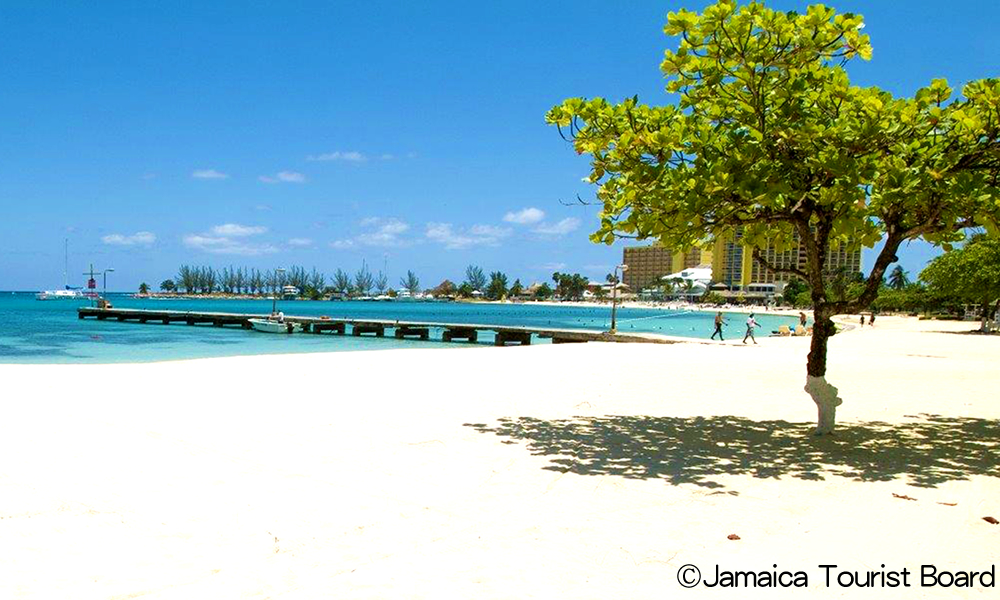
{"type": "Point", "coordinates": [67, 293]}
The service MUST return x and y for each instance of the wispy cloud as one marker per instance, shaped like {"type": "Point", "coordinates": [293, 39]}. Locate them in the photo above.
{"type": "Point", "coordinates": [552, 266]}
{"type": "Point", "coordinates": [300, 242]}
{"type": "Point", "coordinates": [525, 216]}
{"type": "Point", "coordinates": [283, 177]}
{"type": "Point", "coordinates": [209, 174]}
{"type": "Point", "coordinates": [382, 232]}
{"type": "Point", "coordinates": [139, 238]}
{"type": "Point", "coordinates": [456, 239]}
{"type": "Point", "coordinates": [230, 238]}
{"type": "Point", "coordinates": [346, 156]}
{"type": "Point", "coordinates": [561, 228]}
{"type": "Point", "coordinates": [237, 230]}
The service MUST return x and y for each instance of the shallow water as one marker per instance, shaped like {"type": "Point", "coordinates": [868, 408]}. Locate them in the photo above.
{"type": "Point", "coordinates": [49, 332]}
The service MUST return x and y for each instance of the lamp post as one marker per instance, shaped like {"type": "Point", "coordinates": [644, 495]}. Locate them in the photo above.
{"type": "Point", "coordinates": [614, 296]}
{"type": "Point", "coordinates": [277, 282]}
{"type": "Point", "coordinates": [106, 271]}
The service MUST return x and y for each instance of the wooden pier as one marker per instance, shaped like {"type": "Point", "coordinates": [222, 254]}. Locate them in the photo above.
{"type": "Point", "coordinates": [469, 333]}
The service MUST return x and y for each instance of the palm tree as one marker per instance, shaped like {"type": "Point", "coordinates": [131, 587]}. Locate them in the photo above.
{"type": "Point", "coordinates": [899, 278]}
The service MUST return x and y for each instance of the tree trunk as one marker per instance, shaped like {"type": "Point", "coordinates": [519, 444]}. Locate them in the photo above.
{"type": "Point", "coordinates": [823, 394]}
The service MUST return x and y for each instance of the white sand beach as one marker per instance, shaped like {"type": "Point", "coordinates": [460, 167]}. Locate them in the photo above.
{"type": "Point", "coordinates": [572, 471]}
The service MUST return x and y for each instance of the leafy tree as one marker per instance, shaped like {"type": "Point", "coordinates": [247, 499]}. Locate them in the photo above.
{"type": "Point", "coordinates": [792, 290]}
{"type": "Point", "coordinates": [475, 277]}
{"type": "Point", "coordinates": [497, 288]}
{"type": "Point", "coordinates": [410, 283]}
{"type": "Point", "coordinates": [770, 140]}
{"type": "Point", "coordinates": [465, 290]}
{"type": "Point", "coordinates": [444, 289]}
{"type": "Point", "coordinates": [898, 279]}
{"type": "Point", "coordinates": [143, 288]}
{"type": "Point", "coordinates": [168, 285]}
{"type": "Point", "coordinates": [971, 274]}
{"type": "Point", "coordinates": [543, 292]}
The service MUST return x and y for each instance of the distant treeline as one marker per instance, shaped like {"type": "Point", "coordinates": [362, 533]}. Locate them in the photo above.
{"type": "Point", "coordinates": [315, 284]}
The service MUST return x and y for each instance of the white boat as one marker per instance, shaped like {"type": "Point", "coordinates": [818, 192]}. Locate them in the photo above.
{"type": "Point", "coordinates": [274, 326]}
{"type": "Point", "coordinates": [67, 294]}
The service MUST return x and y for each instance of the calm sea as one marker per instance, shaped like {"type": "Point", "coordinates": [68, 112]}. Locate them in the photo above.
{"type": "Point", "coordinates": [49, 332]}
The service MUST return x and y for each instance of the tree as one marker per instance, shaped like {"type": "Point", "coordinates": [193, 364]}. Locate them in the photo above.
{"type": "Point", "coordinates": [143, 288]}
{"type": "Point", "coordinates": [410, 283]}
{"type": "Point", "coordinates": [569, 287]}
{"type": "Point", "coordinates": [497, 288]}
{"type": "Point", "coordinates": [898, 278]}
{"type": "Point", "coordinates": [444, 289]}
{"type": "Point", "coordinates": [465, 290]}
{"type": "Point", "coordinates": [168, 285]}
{"type": "Point", "coordinates": [363, 280]}
{"type": "Point", "coordinates": [475, 277]}
{"type": "Point", "coordinates": [971, 273]}
{"type": "Point", "coordinates": [770, 141]}
{"type": "Point", "coordinates": [516, 290]}
{"type": "Point", "coordinates": [792, 290]}
{"type": "Point", "coordinates": [381, 283]}
{"type": "Point", "coordinates": [543, 292]}
{"type": "Point", "coordinates": [341, 282]}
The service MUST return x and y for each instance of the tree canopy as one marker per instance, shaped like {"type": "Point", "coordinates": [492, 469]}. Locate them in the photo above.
{"type": "Point", "coordinates": [971, 273]}
{"type": "Point", "coordinates": [769, 140]}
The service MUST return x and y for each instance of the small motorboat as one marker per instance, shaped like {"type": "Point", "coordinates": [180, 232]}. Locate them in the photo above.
{"type": "Point", "coordinates": [274, 326]}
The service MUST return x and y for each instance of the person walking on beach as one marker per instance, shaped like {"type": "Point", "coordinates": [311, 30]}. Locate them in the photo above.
{"type": "Point", "coordinates": [871, 320]}
{"type": "Point", "coordinates": [862, 321]}
{"type": "Point", "coordinates": [719, 322]}
{"type": "Point", "coordinates": [751, 323]}
{"type": "Point", "coordinates": [802, 318]}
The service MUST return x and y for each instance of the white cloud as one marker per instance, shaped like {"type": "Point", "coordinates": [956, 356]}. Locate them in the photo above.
{"type": "Point", "coordinates": [477, 235]}
{"type": "Point", "coordinates": [284, 177]}
{"type": "Point", "coordinates": [300, 242]}
{"type": "Point", "coordinates": [525, 216]}
{"type": "Point", "coordinates": [383, 232]}
{"type": "Point", "coordinates": [237, 230]}
{"type": "Point", "coordinates": [348, 156]}
{"type": "Point", "coordinates": [554, 266]}
{"type": "Point", "coordinates": [224, 245]}
{"type": "Point", "coordinates": [229, 238]}
{"type": "Point", "coordinates": [561, 228]}
{"type": "Point", "coordinates": [209, 174]}
{"type": "Point", "coordinates": [140, 238]}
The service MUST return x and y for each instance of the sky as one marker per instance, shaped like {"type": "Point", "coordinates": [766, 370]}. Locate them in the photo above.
{"type": "Point", "coordinates": [405, 135]}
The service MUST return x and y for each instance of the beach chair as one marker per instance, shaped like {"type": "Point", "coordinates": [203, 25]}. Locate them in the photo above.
{"type": "Point", "coordinates": [783, 330]}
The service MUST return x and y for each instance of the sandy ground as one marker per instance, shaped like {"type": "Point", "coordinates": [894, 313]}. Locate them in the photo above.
{"type": "Point", "coordinates": [574, 471]}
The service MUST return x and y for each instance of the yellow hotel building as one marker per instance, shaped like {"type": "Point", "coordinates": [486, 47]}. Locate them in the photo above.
{"type": "Point", "coordinates": [732, 264]}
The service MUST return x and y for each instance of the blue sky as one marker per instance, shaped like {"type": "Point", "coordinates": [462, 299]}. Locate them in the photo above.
{"type": "Point", "coordinates": [404, 134]}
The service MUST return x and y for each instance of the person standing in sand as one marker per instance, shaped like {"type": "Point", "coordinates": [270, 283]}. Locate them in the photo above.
{"type": "Point", "coordinates": [719, 322]}
{"type": "Point", "coordinates": [862, 321]}
{"type": "Point", "coordinates": [802, 319]}
{"type": "Point", "coordinates": [751, 323]}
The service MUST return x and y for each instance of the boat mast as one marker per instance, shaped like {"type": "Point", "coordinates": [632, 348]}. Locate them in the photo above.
{"type": "Point", "coordinates": [66, 263]}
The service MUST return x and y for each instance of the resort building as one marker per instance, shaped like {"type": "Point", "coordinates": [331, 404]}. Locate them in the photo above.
{"type": "Point", "coordinates": [647, 265]}
{"type": "Point", "coordinates": [731, 264]}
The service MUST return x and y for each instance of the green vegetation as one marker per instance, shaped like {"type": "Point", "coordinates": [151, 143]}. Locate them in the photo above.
{"type": "Point", "coordinates": [970, 274]}
{"type": "Point", "coordinates": [569, 287]}
{"type": "Point", "coordinates": [497, 288]}
{"type": "Point", "coordinates": [770, 139]}
{"type": "Point", "coordinates": [410, 283]}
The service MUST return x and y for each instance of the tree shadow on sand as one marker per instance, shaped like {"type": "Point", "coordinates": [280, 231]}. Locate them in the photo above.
{"type": "Point", "coordinates": [925, 452]}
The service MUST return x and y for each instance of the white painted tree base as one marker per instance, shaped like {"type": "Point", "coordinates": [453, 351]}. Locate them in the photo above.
{"type": "Point", "coordinates": [825, 397]}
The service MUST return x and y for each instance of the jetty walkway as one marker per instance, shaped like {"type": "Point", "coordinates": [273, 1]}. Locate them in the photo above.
{"type": "Point", "coordinates": [504, 334]}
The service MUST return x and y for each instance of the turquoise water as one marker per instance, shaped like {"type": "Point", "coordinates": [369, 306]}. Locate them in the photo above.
{"type": "Point", "coordinates": [49, 332]}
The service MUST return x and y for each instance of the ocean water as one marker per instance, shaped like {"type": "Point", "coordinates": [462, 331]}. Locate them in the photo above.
{"type": "Point", "coordinates": [49, 332]}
